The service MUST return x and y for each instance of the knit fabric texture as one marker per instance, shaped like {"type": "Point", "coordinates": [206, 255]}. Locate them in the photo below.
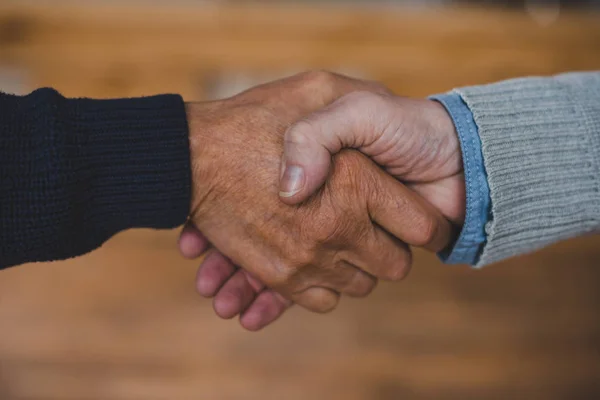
{"type": "Point", "coordinates": [74, 172]}
{"type": "Point", "coordinates": [541, 149]}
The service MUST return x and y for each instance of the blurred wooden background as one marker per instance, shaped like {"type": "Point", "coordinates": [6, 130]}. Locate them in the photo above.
{"type": "Point", "coordinates": [124, 323]}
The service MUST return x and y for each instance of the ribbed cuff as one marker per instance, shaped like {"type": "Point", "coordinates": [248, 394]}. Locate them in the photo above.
{"type": "Point", "coordinates": [137, 161]}
{"type": "Point", "coordinates": [77, 171]}
{"type": "Point", "coordinates": [541, 152]}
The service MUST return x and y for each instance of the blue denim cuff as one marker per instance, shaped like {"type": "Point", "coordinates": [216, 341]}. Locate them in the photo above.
{"type": "Point", "coordinates": [471, 240]}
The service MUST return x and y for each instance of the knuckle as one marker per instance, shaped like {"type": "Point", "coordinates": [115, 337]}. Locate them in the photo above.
{"type": "Point", "coordinates": [317, 299]}
{"type": "Point", "coordinates": [303, 259]}
{"type": "Point", "coordinates": [282, 274]}
{"type": "Point", "coordinates": [320, 77]}
{"type": "Point", "coordinates": [369, 103]}
{"type": "Point", "coordinates": [298, 133]}
{"type": "Point", "coordinates": [300, 257]}
{"type": "Point", "coordinates": [363, 288]}
{"type": "Point", "coordinates": [363, 291]}
{"type": "Point", "coordinates": [400, 269]}
{"type": "Point", "coordinates": [325, 304]}
{"type": "Point", "coordinates": [324, 231]}
{"type": "Point", "coordinates": [426, 231]}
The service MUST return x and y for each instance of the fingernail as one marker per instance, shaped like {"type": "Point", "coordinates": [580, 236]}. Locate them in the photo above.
{"type": "Point", "coordinates": [292, 181]}
{"type": "Point", "coordinates": [282, 168]}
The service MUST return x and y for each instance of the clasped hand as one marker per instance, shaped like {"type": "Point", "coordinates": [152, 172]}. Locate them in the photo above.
{"type": "Point", "coordinates": [291, 218]}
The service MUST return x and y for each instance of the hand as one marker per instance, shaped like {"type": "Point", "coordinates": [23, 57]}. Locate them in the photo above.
{"type": "Point", "coordinates": [310, 253]}
{"type": "Point", "coordinates": [235, 291]}
{"type": "Point", "coordinates": [414, 140]}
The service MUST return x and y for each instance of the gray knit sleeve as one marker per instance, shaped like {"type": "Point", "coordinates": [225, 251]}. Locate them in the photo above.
{"type": "Point", "coordinates": [541, 148]}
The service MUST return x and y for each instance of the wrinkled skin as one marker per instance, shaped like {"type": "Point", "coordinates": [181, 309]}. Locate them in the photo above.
{"type": "Point", "coordinates": [414, 140]}
{"type": "Point", "coordinates": [353, 231]}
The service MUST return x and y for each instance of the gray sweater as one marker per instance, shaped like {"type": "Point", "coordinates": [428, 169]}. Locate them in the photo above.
{"type": "Point", "coordinates": [541, 148]}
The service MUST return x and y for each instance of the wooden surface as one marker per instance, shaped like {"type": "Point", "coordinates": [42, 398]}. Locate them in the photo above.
{"type": "Point", "coordinates": [124, 323]}
{"type": "Point", "coordinates": [116, 51]}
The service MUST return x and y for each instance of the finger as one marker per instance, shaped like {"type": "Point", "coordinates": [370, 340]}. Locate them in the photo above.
{"type": "Point", "coordinates": [192, 243]}
{"type": "Point", "coordinates": [406, 215]}
{"type": "Point", "coordinates": [256, 283]}
{"type": "Point", "coordinates": [354, 121]}
{"type": "Point", "coordinates": [343, 277]}
{"type": "Point", "coordinates": [213, 273]}
{"type": "Point", "coordinates": [447, 195]}
{"type": "Point", "coordinates": [383, 256]}
{"type": "Point", "coordinates": [234, 297]}
{"type": "Point", "coordinates": [317, 299]}
{"type": "Point", "coordinates": [264, 310]}
{"type": "Point", "coordinates": [361, 285]}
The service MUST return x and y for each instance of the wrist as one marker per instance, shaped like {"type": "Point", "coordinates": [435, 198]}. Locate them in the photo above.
{"type": "Point", "coordinates": [444, 129]}
{"type": "Point", "coordinates": [451, 183]}
{"type": "Point", "coordinates": [203, 121]}
{"type": "Point", "coordinates": [195, 115]}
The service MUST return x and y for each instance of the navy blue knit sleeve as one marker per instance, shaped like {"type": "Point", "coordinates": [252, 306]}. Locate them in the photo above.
{"type": "Point", "coordinates": [74, 172]}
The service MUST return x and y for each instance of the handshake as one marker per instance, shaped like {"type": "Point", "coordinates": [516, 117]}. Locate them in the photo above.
{"type": "Point", "coordinates": [313, 187]}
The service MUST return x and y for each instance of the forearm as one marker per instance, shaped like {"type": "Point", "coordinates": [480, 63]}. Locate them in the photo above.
{"type": "Point", "coordinates": [541, 150]}
{"type": "Point", "coordinates": [76, 171]}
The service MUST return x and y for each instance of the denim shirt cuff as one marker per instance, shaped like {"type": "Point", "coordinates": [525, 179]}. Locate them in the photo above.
{"type": "Point", "coordinates": [470, 242]}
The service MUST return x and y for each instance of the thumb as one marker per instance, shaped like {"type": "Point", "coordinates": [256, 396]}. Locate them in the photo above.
{"type": "Point", "coordinates": [305, 164]}
{"type": "Point", "coordinates": [310, 143]}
